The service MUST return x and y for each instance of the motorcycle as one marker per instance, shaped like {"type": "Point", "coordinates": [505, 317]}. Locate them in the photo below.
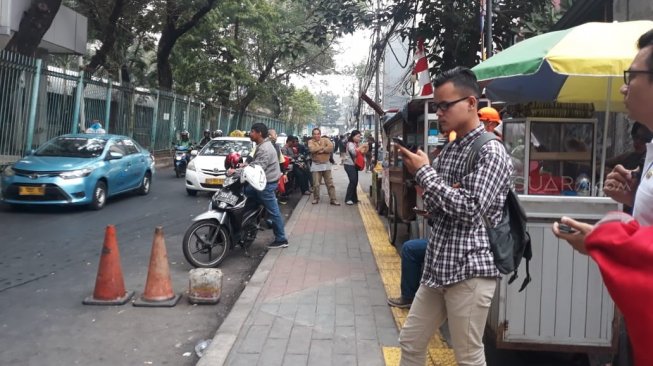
{"type": "Point", "coordinates": [181, 158]}
{"type": "Point", "coordinates": [232, 219]}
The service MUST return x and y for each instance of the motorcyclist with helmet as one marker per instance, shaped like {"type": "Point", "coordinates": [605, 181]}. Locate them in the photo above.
{"type": "Point", "coordinates": [267, 158]}
{"type": "Point", "coordinates": [206, 138]}
{"type": "Point", "coordinates": [216, 133]}
{"type": "Point", "coordinates": [184, 139]}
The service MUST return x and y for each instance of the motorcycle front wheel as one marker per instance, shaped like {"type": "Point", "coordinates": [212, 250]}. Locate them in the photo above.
{"type": "Point", "coordinates": [206, 244]}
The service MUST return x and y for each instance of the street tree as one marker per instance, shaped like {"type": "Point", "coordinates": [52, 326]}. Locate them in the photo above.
{"type": "Point", "coordinates": [176, 18]}
{"type": "Point", "coordinates": [330, 108]}
{"type": "Point", "coordinates": [452, 28]}
{"type": "Point", "coordinates": [35, 22]}
{"type": "Point", "coordinates": [303, 108]}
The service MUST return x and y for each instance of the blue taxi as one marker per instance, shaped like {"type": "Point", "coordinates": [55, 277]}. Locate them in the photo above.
{"type": "Point", "coordinates": [78, 169]}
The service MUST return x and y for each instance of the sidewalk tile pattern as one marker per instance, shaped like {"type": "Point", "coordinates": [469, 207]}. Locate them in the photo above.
{"type": "Point", "coordinates": [323, 302]}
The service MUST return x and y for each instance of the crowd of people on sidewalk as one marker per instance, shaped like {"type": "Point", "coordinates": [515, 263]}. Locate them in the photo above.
{"type": "Point", "coordinates": [451, 275]}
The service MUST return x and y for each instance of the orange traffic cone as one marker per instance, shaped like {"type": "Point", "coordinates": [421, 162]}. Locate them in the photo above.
{"type": "Point", "coordinates": [109, 283]}
{"type": "Point", "coordinates": [158, 287]}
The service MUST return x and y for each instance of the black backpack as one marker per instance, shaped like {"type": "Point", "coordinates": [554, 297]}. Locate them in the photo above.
{"type": "Point", "coordinates": [509, 240]}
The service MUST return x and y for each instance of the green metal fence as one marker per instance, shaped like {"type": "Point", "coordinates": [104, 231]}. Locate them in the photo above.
{"type": "Point", "coordinates": [39, 102]}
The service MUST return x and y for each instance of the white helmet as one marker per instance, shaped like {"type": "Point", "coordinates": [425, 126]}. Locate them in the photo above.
{"type": "Point", "coordinates": [255, 176]}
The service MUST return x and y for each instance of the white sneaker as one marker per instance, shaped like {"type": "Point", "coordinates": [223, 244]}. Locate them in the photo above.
{"type": "Point", "coordinates": [350, 203]}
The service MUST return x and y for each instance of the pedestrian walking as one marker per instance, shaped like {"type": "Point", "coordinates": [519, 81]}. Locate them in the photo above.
{"type": "Point", "coordinates": [352, 148]}
{"type": "Point", "coordinates": [321, 149]}
{"type": "Point", "coordinates": [459, 275]}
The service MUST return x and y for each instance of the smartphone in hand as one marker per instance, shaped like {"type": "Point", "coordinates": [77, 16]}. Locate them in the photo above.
{"type": "Point", "coordinates": [402, 143]}
{"type": "Point", "coordinates": [399, 142]}
{"type": "Point", "coordinates": [566, 229]}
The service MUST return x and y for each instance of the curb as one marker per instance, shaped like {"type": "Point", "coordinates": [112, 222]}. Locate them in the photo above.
{"type": "Point", "coordinates": [225, 337]}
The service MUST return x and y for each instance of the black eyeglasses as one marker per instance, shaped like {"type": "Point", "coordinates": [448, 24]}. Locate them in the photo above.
{"type": "Point", "coordinates": [443, 106]}
{"type": "Point", "coordinates": [628, 74]}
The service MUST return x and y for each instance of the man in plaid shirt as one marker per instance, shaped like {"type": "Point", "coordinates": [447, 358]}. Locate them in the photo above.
{"type": "Point", "coordinates": [459, 275]}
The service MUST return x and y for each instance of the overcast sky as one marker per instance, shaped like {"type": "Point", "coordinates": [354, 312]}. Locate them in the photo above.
{"type": "Point", "coordinates": [352, 49]}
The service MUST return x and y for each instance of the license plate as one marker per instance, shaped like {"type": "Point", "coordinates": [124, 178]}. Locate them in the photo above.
{"type": "Point", "coordinates": [31, 191]}
{"type": "Point", "coordinates": [227, 197]}
{"type": "Point", "coordinates": [217, 181]}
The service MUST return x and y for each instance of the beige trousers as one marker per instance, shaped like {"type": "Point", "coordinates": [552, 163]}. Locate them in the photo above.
{"type": "Point", "coordinates": [465, 305]}
{"type": "Point", "coordinates": [328, 181]}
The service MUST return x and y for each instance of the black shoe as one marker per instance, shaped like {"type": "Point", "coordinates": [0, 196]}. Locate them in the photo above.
{"type": "Point", "coordinates": [278, 244]}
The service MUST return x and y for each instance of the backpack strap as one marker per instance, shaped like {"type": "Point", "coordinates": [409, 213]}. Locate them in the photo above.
{"type": "Point", "coordinates": [476, 148]}
{"type": "Point", "coordinates": [473, 153]}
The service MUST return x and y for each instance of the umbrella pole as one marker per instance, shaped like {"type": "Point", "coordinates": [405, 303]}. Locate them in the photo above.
{"type": "Point", "coordinates": [604, 147]}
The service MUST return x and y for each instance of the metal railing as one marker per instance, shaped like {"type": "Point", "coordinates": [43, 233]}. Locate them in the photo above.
{"type": "Point", "coordinates": [39, 102]}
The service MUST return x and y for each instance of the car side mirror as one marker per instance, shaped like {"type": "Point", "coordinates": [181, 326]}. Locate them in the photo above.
{"type": "Point", "coordinates": [193, 153]}
{"type": "Point", "coordinates": [114, 155]}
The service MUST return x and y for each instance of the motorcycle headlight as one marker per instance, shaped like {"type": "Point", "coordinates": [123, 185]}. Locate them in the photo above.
{"type": "Point", "coordinates": [79, 173]}
{"type": "Point", "coordinates": [178, 157]}
{"type": "Point", "coordinates": [8, 172]}
{"type": "Point", "coordinates": [191, 165]}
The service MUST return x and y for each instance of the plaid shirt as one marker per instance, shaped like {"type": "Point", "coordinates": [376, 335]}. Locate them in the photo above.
{"type": "Point", "coordinates": [459, 247]}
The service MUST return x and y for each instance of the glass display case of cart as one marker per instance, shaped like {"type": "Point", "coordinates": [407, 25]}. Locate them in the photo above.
{"type": "Point", "coordinates": [556, 154]}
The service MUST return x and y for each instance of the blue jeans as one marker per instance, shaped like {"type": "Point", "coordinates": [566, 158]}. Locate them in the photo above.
{"type": "Point", "coordinates": [268, 199]}
{"type": "Point", "coordinates": [412, 260]}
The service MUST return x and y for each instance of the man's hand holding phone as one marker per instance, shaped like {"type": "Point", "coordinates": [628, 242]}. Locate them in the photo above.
{"type": "Point", "coordinates": [412, 161]}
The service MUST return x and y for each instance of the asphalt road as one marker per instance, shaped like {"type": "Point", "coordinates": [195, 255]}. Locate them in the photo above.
{"type": "Point", "coordinates": [48, 263]}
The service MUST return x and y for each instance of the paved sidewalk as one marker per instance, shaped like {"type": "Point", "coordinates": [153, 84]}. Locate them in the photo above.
{"type": "Point", "coordinates": [320, 301]}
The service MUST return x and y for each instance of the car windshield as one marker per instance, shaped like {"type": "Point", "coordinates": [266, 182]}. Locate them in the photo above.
{"type": "Point", "coordinates": [225, 147]}
{"type": "Point", "coordinates": [73, 147]}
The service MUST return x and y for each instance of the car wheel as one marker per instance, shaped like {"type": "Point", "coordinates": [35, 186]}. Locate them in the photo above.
{"type": "Point", "coordinates": [191, 192]}
{"type": "Point", "coordinates": [144, 189]}
{"type": "Point", "coordinates": [99, 196]}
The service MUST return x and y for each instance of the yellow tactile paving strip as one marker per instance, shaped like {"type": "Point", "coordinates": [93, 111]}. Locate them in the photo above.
{"type": "Point", "coordinates": [389, 264]}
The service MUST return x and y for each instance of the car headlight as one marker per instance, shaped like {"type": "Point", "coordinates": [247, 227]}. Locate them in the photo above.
{"type": "Point", "coordinates": [8, 172]}
{"type": "Point", "coordinates": [79, 173]}
{"type": "Point", "coordinates": [191, 165]}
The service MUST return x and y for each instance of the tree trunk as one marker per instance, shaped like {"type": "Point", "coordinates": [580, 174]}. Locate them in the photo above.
{"type": "Point", "coordinates": [34, 24]}
{"type": "Point", "coordinates": [109, 38]}
{"type": "Point", "coordinates": [169, 36]}
{"type": "Point", "coordinates": [242, 109]}
{"type": "Point", "coordinates": [163, 68]}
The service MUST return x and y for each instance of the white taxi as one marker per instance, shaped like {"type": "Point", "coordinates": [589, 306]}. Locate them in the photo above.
{"type": "Point", "coordinates": [206, 172]}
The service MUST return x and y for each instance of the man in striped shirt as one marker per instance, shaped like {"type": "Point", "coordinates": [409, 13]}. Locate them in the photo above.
{"type": "Point", "coordinates": [459, 275]}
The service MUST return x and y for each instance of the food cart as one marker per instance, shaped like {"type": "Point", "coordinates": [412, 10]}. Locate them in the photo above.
{"type": "Point", "coordinates": [566, 307]}
{"type": "Point", "coordinates": [416, 125]}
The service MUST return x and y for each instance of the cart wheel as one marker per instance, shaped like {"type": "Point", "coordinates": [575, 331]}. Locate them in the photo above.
{"type": "Point", "coordinates": [392, 219]}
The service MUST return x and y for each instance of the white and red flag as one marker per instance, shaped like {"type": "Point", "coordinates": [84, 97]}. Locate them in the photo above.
{"type": "Point", "coordinates": [421, 70]}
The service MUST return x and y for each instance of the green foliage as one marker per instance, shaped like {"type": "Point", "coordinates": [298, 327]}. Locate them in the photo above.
{"type": "Point", "coordinates": [135, 40]}
{"type": "Point", "coordinates": [243, 53]}
{"type": "Point", "coordinates": [543, 19]}
{"type": "Point", "coordinates": [303, 108]}
{"type": "Point", "coordinates": [452, 28]}
{"type": "Point", "coordinates": [330, 108]}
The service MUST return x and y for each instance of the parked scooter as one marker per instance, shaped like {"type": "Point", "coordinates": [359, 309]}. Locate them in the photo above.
{"type": "Point", "coordinates": [232, 219]}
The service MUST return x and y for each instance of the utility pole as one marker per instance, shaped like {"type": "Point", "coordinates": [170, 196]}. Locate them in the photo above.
{"type": "Point", "coordinates": [488, 29]}
{"type": "Point", "coordinates": [378, 53]}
